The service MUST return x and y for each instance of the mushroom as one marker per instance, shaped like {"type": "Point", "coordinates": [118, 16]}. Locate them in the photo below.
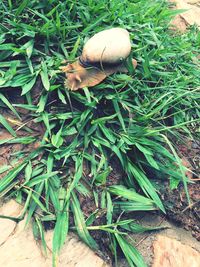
{"type": "Point", "coordinates": [103, 54]}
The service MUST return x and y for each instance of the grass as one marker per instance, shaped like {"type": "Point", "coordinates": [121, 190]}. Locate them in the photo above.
{"type": "Point", "coordinates": [132, 118]}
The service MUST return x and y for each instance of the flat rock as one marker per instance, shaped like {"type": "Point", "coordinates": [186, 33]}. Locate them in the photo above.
{"type": "Point", "coordinates": [144, 242]}
{"type": "Point", "coordinates": [169, 252]}
{"type": "Point", "coordinates": [189, 17]}
{"type": "Point", "coordinates": [76, 253]}
{"type": "Point", "coordinates": [7, 226]}
{"type": "Point", "coordinates": [192, 15]}
{"type": "Point", "coordinates": [18, 247]}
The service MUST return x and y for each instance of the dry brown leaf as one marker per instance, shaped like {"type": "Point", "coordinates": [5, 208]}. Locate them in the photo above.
{"type": "Point", "coordinates": [79, 77]}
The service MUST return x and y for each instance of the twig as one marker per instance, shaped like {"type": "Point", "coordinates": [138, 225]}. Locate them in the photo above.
{"type": "Point", "coordinates": [190, 206]}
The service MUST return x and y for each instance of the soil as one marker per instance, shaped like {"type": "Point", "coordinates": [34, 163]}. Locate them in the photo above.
{"type": "Point", "coordinates": [11, 154]}
{"type": "Point", "coordinates": [88, 206]}
{"type": "Point", "coordinates": [176, 203]}
{"type": "Point", "coordinates": [178, 210]}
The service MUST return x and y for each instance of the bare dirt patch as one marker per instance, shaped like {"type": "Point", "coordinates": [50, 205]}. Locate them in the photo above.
{"type": "Point", "coordinates": [178, 210]}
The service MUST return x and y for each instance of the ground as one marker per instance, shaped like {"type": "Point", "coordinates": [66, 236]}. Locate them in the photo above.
{"type": "Point", "coordinates": [182, 220]}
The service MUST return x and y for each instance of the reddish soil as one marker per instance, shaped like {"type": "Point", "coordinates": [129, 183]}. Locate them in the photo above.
{"type": "Point", "coordinates": [178, 209]}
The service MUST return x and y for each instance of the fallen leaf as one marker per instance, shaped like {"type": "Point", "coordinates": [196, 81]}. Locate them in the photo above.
{"type": "Point", "coordinates": [79, 76]}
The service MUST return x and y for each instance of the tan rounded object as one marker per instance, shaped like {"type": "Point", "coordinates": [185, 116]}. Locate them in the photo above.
{"type": "Point", "coordinates": [109, 47]}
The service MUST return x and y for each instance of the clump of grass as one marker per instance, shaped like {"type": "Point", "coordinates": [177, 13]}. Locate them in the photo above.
{"type": "Point", "coordinates": [133, 117]}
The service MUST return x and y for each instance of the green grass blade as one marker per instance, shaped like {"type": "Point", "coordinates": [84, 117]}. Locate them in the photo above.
{"type": "Point", "coordinates": [60, 232]}
{"type": "Point", "coordinates": [10, 176]}
{"type": "Point", "coordinates": [132, 255]}
{"type": "Point", "coordinates": [4, 122]}
{"type": "Point", "coordinates": [9, 105]}
{"type": "Point", "coordinates": [80, 223]}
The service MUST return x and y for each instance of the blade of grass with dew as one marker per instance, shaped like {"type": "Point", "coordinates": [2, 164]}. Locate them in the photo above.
{"type": "Point", "coordinates": [137, 228]}
{"type": "Point", "coordinates": [33, 202]}
{"type": "Point", "coordinates": [21, 140]}
{"type": "Point", "coordinates": [42, 235]}
{"type": "Point", "coordinates": [129, 206]}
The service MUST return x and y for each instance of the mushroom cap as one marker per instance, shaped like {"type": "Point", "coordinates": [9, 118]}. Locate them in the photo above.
{"type": "Point", "coordinates": [110, 46]}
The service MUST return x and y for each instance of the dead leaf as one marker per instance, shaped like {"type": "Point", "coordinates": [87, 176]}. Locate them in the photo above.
{"type": "Point", "coordinates": [79, 77]}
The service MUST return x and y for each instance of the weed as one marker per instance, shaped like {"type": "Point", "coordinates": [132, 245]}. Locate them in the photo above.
{"type": "Point", "coordinates": [132, 117]}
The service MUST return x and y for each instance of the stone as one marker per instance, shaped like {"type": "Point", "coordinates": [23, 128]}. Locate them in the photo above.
{"type": "Point", "coordinates": [190, 15]}
{"type": "Point", "coordinates": [169, 252]}
{"type": "Point", "coordinates": [7, 226]}
{"type": "Point", "coordinates": [18, 248]}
